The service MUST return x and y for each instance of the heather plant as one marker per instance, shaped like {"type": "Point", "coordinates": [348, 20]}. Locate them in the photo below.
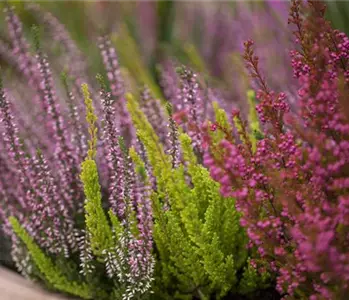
{"type": "Point", "coordinates": [71, 246]}
{"type": "Point", "coordinates": [81, 214]}
{"type": "Point", "coordinates": [170, 197]}
{"type": "Point", "coordinates": [201, 247]}
{"type": "Point", "coordinates": [291, 187]}
{"type": "Point", "coordinates": [119, 248]}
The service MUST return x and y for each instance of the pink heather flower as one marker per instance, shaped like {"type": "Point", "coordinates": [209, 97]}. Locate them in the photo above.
{"type": "Point", "coordinates": [292, 190]}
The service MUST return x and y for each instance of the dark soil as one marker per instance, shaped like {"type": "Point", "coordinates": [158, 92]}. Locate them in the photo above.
{"type": "Point", "coordinates": [268, 294]}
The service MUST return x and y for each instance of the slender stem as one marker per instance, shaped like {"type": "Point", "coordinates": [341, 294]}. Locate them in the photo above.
{"type": "Point", "coordinates": [202, 295]}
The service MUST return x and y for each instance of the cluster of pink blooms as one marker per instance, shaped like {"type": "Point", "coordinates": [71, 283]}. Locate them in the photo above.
{"type": "Point", "coordinates": [292, 190]}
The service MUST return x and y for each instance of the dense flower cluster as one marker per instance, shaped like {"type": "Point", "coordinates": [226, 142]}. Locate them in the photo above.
{"type": "Point", "coordinates": [291, 190]}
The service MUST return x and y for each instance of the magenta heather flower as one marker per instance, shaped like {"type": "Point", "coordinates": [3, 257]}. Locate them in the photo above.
{"type": "Point", "coordinates": [292, 189]}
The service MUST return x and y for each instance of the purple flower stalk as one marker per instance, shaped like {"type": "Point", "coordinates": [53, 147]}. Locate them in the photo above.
{"type": "Point", "coordinates": [192, 104]}
{"type": "Point", "coordinates": [114, 155]}
{"type": "Point", "coordinates": [33, 195]}
{"type": "Point", "coordinates": [20, 47]}
{"type": "Point", "coordinates": [59, 33]}
{"type": "Point", "coordinates": [77, 135]}
{"type": "Point", "coordinates": [68, 167]}
{"type": "Point", "coordinates": [49, 221]}
{"type": "Point", "coordinates": [155, 114]}
{"type": "Point", "coordinates": [26, 63]}
{"type": "Point", "coordinates": [169, 82]}
{"type": "Point", "coordinates": [173, 142]}
{"type": "Point", "coordinates": [13, 146]}
{"type": "Point", "coordinates": [117, 87]}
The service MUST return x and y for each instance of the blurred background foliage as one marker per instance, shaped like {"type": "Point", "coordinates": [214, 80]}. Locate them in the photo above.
{"type": "Point", "coordinates": [163, 23]}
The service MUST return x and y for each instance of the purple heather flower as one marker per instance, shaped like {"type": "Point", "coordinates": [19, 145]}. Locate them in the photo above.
{"type": "Point", "coordinates": [155, 114]}
{"type": "Point", "coordinates": [114, 155]}
{"type": "Point", "coordinates": [77, 135]}
{"type": "Point", "coordinates": [117, 87]}
{"type": "Point", "coordinates": [26, 63]}
{"type": "Point", "coordinates": [49, 221]}
{"type": "Point", "coordinates": [68, 167]}
{"type": "Point", "coordinates": [13, 146]}
{"type": "Point", "coordinates": [173, 142]}
{"type": "Point", "coordinates": [169, 82]}
{"type": "Point", "coordinates": [193, 105]}
{"type": "Point", "coordinates": [73, 55]}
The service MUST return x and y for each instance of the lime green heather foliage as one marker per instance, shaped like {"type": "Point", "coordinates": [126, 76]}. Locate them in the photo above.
{"type": "Point", "coordinates": [221, 121]}
{"type": "Point", "coordinates": [91, 120]}
{"type": "Point", "coordinates": [201, 246]}
{"type": "Point", "coordinates": [51, 272]}
{"type": "Point", "coordinates": [96, 221]}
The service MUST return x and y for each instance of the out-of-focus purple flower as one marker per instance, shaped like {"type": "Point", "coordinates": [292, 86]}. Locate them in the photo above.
{"type": "Point", "coordinates": [116, 81]}
{"type": "Point", "coordinates": [153, 109]}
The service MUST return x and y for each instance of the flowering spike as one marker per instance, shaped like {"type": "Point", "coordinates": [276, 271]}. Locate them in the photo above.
{"type": "Point", "coordinates": [116, 81]}
{"type": "Point", "coordinates": [77, 65]}
{"type": "Point", "coordinates": [193, 104]}
{"type": "Point", "coordinates": [173, 138]}
{"type": "Point", "coordinates": [155, 114]}
{"type": "Point", "coordinates": [114, 153]}
{"type": "Point", "coordinates": [78, 137]}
